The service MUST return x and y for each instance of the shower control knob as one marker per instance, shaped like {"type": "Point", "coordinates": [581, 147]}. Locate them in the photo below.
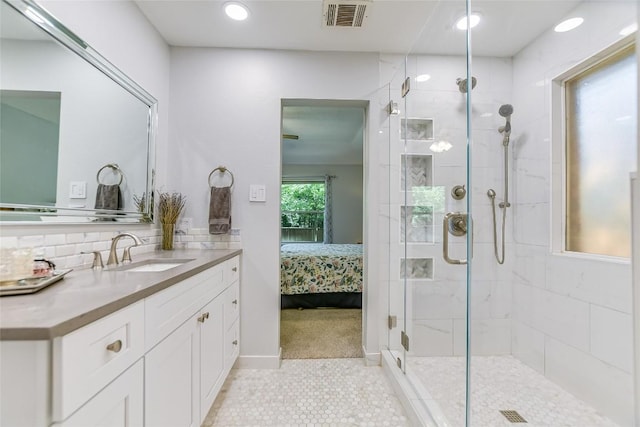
{"type": "Point", "coordinates": [458, 192]}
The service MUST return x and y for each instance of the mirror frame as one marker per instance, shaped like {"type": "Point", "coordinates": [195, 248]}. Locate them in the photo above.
{"type": "Point", "coordinates": [39, 16]}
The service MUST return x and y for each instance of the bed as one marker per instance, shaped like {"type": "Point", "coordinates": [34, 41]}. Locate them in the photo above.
{"type": "Point", "coordinates": [321, 275]}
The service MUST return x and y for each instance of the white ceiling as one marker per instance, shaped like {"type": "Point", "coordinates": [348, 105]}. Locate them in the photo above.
{"type": "Point", "coordinates": [326, 134]}
{"type": "Point", "coordinates": [392, 26]}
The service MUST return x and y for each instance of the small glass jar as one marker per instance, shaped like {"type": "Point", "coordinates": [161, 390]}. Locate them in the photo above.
{"type": "Point", "coordinates": [43, 268]}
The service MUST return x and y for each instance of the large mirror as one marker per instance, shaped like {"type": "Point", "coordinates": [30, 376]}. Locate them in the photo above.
{"type": "Point", "coordinates": [76, 134]}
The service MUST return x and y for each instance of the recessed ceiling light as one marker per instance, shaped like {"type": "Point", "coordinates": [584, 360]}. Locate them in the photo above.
{"type": "Point", "coordinates": [236, 11]}
{"type": "Point", "coordinates": [568, 25]}
{"type": "Point", "coordinates": [474, 19]}
{"type": "Point", "coordinates": [423, 77]}
{"type": "Point", "coordinates": [629, 29]}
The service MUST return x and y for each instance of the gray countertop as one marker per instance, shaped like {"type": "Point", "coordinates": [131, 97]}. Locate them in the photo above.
{"type": "Point", "coordinates": [86, 295]}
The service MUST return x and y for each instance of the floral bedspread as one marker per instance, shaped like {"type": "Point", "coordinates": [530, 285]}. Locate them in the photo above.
{"type": "Point", "coordinates": [319, 268]}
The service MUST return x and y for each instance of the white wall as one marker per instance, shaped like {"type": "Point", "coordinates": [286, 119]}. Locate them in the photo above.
{"type": "Point", "coordinates": [346, 193]}
{"type": "Point", "coordinates": [226, 110]}
{"type": "Point", "coordinates": [571, 315]}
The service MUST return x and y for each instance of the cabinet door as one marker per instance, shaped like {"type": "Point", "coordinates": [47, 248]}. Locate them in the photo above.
{"type": "Point", "coordinates": [172, 379]}
{"type": "Point", "coordinates": [118, 405]}
{"type": "Point", "coordinates": [211, 353]}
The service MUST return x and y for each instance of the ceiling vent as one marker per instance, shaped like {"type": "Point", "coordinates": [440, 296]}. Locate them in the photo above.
{"type": "Point", "coordinates": [345, 13]}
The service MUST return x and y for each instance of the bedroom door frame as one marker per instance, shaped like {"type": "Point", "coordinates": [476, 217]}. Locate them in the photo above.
{"type": "Point", "coordinates": [370, 327]}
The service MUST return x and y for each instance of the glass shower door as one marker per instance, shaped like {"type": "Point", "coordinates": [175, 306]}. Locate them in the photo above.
{"type": "Point", "coordinates": [429, 210]}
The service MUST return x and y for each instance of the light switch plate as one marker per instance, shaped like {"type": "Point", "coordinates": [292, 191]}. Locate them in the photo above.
{"type": "Point", "coordinates": [78, 190]}
{"type": "Point", "coordinates": [257, 193]}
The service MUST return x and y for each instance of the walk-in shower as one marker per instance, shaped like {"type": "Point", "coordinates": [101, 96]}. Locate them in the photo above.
{"type": "Point", "coordinates": [505, 111]}
{"type": "Point", "coordinates": [501, 323]}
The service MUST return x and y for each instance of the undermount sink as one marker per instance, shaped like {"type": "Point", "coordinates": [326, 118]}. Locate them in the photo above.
{"type": "Point", "coordinates": [155, 265]}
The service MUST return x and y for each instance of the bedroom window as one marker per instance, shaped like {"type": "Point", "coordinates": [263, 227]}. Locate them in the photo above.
{"type": "Point", "coordinates": [302, 211]}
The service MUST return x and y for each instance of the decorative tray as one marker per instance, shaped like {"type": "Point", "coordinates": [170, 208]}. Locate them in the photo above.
{"type": "Point", "coordinates": [30, 285]}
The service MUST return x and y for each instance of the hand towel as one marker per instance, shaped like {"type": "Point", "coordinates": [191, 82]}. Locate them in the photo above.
{"type": "Point", "coordinates": [108, 197]}
{"type": "Point", "coordinates": [220, 210]}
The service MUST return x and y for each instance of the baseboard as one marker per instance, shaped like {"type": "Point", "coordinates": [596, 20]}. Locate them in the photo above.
{"type": "Point", "coordinates": [259, 362]}
{"type": "Point", "coordinates": [371, 359]}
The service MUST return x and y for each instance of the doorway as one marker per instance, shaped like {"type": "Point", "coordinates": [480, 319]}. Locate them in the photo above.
{"type": "Point", "coordinates": [321, 245]}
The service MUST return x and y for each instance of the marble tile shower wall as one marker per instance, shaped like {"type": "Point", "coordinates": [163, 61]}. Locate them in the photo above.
{"type": "Point", "coordinates": [66, 249]}
{"type": "Point", "coordinates": [572, 316]}
{"type": "Point", "coordinates": [436, 295]}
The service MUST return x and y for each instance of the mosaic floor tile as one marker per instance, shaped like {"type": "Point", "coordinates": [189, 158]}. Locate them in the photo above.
{"type": "Point", "coordinates": [501, 383]}
{"type": "Point", "coordinates": [310, 392]}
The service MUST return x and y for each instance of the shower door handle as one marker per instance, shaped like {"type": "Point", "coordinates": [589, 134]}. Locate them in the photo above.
{"type": "Point", "coordinates": [456, 224]}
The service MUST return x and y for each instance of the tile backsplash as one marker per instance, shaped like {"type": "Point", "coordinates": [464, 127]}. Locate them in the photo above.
{"type": "Point", "coordinates": [73, 249]}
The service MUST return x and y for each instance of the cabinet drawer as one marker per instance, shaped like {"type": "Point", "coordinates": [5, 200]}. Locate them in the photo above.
{"type": "Point", "coordinates": [231, 345]}
{"type": "Point", "coordinates": [119, 404]}
{"type": "Point", "coordinates": [231, 270]}
{"type": "Point", "coordinates": [231, 304]}
{"type": "Point", "coordinates": [89, 358]}
{"type": "Point", "coordinates": [168, 309]}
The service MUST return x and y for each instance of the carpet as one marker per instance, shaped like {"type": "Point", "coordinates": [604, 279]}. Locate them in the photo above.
{"type": "Point", "coordinates": [321, 333]}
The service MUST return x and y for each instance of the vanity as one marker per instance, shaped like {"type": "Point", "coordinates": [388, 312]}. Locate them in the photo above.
{"type": "Point", "coordinates": [126, 346]}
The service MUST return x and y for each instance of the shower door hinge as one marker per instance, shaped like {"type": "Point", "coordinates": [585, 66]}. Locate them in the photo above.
{"type": "Point", "coordinates": [404, 340]}
{"type": "Point", "coordinates": [406, 87]}
{"type": "Point", "coordinates": [392, 321]}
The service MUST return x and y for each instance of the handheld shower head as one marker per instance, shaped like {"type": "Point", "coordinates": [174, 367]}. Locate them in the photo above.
{"type": "Point", "coordinates": [506, 110]}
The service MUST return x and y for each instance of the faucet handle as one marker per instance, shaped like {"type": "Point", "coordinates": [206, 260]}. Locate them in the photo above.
{"type": "Point", "coordinates": [97, 259]}
{"type": "Point", "coordinates": [126, 254]}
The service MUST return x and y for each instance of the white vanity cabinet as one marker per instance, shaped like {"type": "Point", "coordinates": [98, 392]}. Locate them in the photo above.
{"type": "Point", "coordinates": [185, 371]}
{"type": "Point", "coordinates": [89, 358]}
{"type": "Point", "coordinates": [120, 404]}
{"type": "Point", "coordinates": [159, 361]}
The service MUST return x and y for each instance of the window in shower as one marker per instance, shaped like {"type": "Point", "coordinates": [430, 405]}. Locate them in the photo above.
{"type": "Point", "coordinates": [601, 137]}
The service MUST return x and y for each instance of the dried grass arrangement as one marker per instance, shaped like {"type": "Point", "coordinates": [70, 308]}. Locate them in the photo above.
{"type": "Point", "coordinates": [170, 206]}
{"type": "Point", "coordinates": [141, 203]}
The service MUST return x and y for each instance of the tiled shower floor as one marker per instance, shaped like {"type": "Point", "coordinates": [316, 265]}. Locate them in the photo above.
{"type": "Point", "coordinates": [309, 392]}
{"type": "Point", "coordinates": [500, 383]}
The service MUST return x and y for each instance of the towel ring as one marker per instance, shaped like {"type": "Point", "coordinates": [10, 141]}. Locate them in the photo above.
{"type": "Point", "coordinates": [222, 169]}
{"type": "Point", "coordinates": [115, 168]}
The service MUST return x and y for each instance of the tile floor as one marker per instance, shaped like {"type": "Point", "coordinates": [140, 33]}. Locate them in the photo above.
{"type": "Point", "coordinates": [501, 383]}
{"type": "Point", "coordinates": [309, 392]}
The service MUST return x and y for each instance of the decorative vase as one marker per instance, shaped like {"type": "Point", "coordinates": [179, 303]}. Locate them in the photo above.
{"type": "Point", "coordinates": [167, 236]}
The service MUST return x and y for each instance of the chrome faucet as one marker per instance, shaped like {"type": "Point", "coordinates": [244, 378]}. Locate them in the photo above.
{"type": "Point", "coordinates": [126, 256]}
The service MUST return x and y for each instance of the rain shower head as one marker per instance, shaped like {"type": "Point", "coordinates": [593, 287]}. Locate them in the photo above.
{"type": "Point", "coordinates": [463, 84]}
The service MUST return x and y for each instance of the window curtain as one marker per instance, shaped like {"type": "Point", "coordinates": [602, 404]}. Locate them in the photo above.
{"type": "Point", "coordinates": [328, 210]}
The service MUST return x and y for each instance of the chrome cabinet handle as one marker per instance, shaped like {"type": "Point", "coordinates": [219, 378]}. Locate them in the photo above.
{"type": "Point", "coordinates": [234, 269]}
{"type": "Point", "coordinates": [458, 222]}
{"type": "Point", "coordinates": [115, 346]}
{"type": "Point", "coordinates": [201, 318]}
{"type": "Point", "coordinates": [235, 301]}
{"type": "Point", "coordinates": [206, 315]}
{"type": "Point", "coordinates": [235, 342]}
